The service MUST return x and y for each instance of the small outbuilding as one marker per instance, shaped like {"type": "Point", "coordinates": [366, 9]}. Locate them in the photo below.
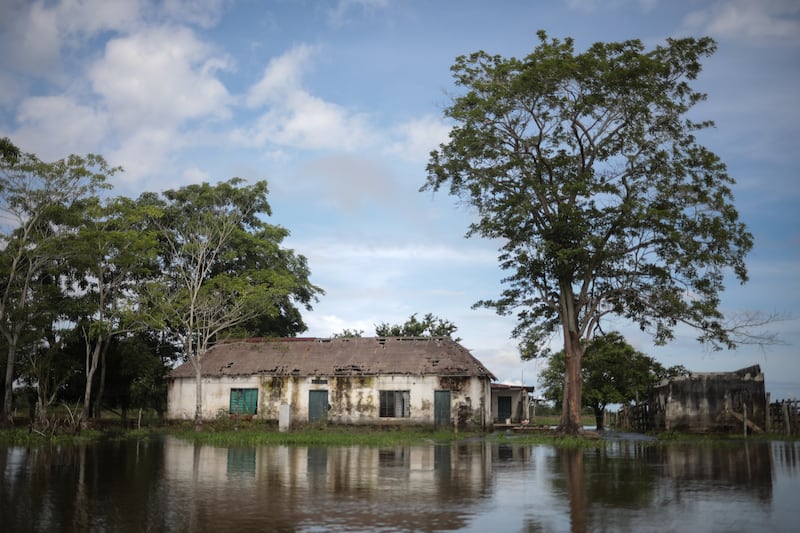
{"type": "Point", "coordinates": [511, 404]}
{"type": "Point", "coordinates": [377, 380]}
{"type": "Point", "coordinates": [711, 402]}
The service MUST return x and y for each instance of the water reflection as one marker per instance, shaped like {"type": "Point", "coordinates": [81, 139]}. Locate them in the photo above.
{"type": "Point", "coordinates": [174, 485]}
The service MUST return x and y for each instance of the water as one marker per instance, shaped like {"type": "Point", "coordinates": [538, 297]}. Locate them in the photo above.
{"type": "Point", "coordinates": [171, 485]}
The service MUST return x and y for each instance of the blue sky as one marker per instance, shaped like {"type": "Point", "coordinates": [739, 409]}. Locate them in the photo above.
{"type": "Point", "coordinates": [337, 105]}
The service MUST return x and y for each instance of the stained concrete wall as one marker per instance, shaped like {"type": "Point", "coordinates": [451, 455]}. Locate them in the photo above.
{"type": "Point", "coordinates": [353, 400]}
{"type": "Point", "coordinates": [715, 401]}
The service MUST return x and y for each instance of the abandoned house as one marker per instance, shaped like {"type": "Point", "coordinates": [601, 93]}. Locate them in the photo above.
{"type": "Point", "coordinates": [380, 380]}
{"type": "Point", "coordinates": [711, 402]}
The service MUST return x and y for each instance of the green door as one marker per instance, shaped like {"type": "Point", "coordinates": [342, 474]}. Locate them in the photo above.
{"type": "Point", "coordinates": [244, 401]}
{"type": "Point", "coordinates": [317, 405]}
{"type": "Point", "coordinates": [441, 408]}
{"type": "Point", "coordinates": [503, 408]}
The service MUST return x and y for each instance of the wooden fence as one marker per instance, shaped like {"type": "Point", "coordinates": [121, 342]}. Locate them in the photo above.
{"type": "Point", "coordinates": [633, 418]}
{"type": "Point", "coordinates": [784, 417]}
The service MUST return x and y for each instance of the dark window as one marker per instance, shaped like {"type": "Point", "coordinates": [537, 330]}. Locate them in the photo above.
{"type": "Point", "coordinates": [395, 403]}
{"type": "Point", "coordinates": [244, 401]}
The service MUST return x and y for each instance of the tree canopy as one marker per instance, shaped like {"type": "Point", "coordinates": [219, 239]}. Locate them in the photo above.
{"type": "Point", "coordinates": [223, 268]}
{"type": "Point", "coordinates": [587, 169]}
{"type": "Point", "coordinates": [97, 292]}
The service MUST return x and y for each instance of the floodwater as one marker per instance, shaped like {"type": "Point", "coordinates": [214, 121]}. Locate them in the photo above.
{"type": "Point", "coordinates": [166, 484]}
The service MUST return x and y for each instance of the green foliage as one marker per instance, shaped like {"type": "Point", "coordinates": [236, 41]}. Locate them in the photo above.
{"type": "Point", "coordinates": [586, 168]}
{"type": "Point", "coordinates": [41, 209]}
{"type": "Point", "coordinates": [224, 270]}
{"type": "Point", "coordinates": [612, 372]}
{"type": "Point", "coordinates": [251, 433]}
{"type": "Point", "coordinates": [429, 326]}
{"type": "Point", "coordinates": [349, 334]}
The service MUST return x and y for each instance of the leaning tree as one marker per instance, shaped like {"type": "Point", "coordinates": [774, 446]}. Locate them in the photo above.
{"type": "Point", "coordinates": [587, 168]}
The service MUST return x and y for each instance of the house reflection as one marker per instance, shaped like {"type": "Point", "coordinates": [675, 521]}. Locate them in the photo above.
{"type": "Point", "coordinates": [353, 486]}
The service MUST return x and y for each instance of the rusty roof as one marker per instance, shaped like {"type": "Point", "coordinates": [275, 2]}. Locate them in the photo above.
{"type": "Point", "coordinates": [363, 356]}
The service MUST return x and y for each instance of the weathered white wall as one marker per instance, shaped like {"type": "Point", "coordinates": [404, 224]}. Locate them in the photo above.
{"type": "Point", "coordinates": [353, 400]}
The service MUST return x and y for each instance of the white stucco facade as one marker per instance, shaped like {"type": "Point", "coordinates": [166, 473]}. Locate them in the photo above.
{"type": "Point", "coordinates": [349, 399]}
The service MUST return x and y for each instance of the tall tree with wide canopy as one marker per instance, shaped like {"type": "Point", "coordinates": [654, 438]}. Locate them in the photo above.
{"type": "Point", "coordinates": [223, 269]}
{"type": "Point", "coordinates": [113, 251]}
{"type": "Point", "coordinates": [40, 207]}
{"type": "Point", "coordinates": [588, 170]}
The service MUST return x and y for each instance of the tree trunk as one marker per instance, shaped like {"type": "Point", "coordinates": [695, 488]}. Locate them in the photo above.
{"type": "Point", "coordinates": [599, 415]}
{"type": "Point", "coordinates": [9, 384]}
{"type": "Point", "coordinates": [92, 359]}
{"type": "Point", "coordinates": [101, 386]}
{"type": "Point", "coordinates": [570, 423]}
{"type": "Point", "coordinates": [198, 391]}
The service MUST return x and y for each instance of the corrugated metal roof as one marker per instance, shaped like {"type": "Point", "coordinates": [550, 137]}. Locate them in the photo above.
{"type": "Point", "coordinates": [366, 356]}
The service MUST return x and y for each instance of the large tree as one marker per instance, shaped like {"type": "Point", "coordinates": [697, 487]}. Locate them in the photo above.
{"type": "Point", "coordinates": [223, 269]}
{"type": "Point", "coordinates": [588, 170]}
{"type": "Point", "coordinates": [40, 207]}
{"type": "Point", "coordinates": [613, 372]}
{"type": "Point", "coordinates": [113, 251]}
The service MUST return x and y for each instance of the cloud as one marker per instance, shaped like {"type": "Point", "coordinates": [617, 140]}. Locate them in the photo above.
{"type": "Point", "coordinates": [58, 126]}
{"type": "Point", "coordinates": [160, 77]}
{"type": "Point", "coordinates": [590, 6]}
{"type": "Point", "coordinates": [346, 181]}
{"type": "Point", "coordinates": [293, 117]}
{"type": "Point", "coordinates": [415, 139]}
{"type": "Point", "coordinates": [752, 20]}
{"type": "Point", "coordinates": [203, 13]}
{"type": "Point", "coordinates": [343, 12]}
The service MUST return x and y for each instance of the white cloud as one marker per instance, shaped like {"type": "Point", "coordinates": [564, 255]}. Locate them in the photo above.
{"type": "Point", "coordinates": [159, 77]}
{"type": "Point", "coordinates": [195, 175]}
{"type": "Point", "coordinates": [281, 77]}
{"type": "Point", "coordinates": [416, 138]}
{"type": "Point", "coordinates": [30, 39]}
{"type": "Point", "coordinates": [294, 117]}
{"type": "Point", "coordinates": [57, 126]}
{"type": "Point", "coordinates": [757, 20]}
{"type": "Point", "coordinates": [344, 10]}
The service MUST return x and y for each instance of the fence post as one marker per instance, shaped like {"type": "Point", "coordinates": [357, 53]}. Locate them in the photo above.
{"type": "Point", "coordinates": [768, 417]}
{"type": "Point", "coordinates": [786, 424]}
{"type": "Point", "coordinates": [744, 419]}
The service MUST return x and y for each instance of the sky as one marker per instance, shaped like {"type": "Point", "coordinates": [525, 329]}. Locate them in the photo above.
{"type": "Point", "coordinates": [337, 104]}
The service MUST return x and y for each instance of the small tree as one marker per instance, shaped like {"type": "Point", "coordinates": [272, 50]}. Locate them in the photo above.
{"type": "Point", "coordinates": [349, 334]}
{"type": "Point", "coordinates": [612, 372]}
{"type": "Point", "coordinates": [587, 169]}
{"type": "Point", "coordinates": [429, 326]}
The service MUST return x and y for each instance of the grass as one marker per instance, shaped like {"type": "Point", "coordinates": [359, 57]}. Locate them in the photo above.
{"type": "Point", "coordinates": [28, 438]}
{"type": "Point", "coordinates": [227, 433]}
{"type": "Point", "coordinates": [315, 435]}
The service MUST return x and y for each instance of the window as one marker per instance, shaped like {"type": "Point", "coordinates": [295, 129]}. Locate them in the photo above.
{"type": "Point", "coordinates": [395, 403]}
{"type": "Point", "coordinates": [244, 401]}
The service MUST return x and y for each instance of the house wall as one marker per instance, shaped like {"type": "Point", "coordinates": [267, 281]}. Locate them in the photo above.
{"type": "Point", "coordinates": [707, 402]}
{"type": "Point", "coordinates": [352, 399]}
